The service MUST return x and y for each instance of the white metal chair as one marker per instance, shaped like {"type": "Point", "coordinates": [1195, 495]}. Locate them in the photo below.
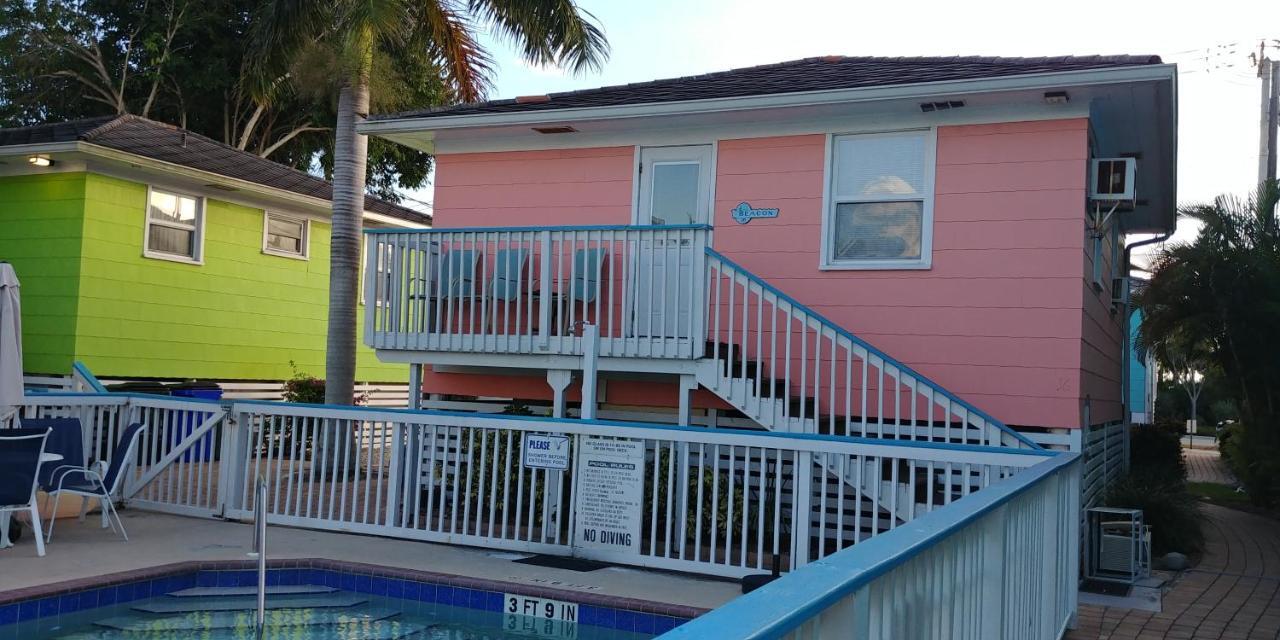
{"type": "Point", "coordinates": [20, 453]}
{"type": "Point", "coordinates": [100, 484]}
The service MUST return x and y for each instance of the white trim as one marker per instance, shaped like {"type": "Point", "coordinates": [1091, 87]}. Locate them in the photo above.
{"type": "Point", "coordinates": [198, 229]}
{"type": "Point", "coordinates": [1111, 75]}
{"type": "Point", "coordinates": [925, 261]}
{"type": "Point", "coordinates": [306, 235]}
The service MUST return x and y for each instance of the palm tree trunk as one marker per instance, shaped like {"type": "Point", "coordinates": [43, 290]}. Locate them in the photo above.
{"type": "Point", "coordinates": [350, 154]}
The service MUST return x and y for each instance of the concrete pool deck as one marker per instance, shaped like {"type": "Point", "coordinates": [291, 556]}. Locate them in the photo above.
{"type": "Point", "coordinates": [83, 550]}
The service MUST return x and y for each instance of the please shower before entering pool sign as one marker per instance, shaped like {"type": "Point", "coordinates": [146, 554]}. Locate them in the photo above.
{"type": "Point", "coordinates": [610, 488]}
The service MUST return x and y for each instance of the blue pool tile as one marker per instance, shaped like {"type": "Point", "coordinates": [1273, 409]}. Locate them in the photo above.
{"type": "Point", "coordinates": [428, 592]}
{"type": "Point", "coordinates": [663, 624]}
{"type": "Point", "coordinates": [645, 622]}
{"type": "Point", "coordinates": [411, 590]}
{"type": "Point", "coordinates": [273, 578]}
{"type": "Point", "coordinates": [347, 582]}
{"type": "Point", "coordinates": [207, 579]}
{"type": "Point", "coordinates": [49, 606]}
{"type": "Point", "coordinates": [226, 579]}
{"type": "Point", "coordinates": [364, 583]}
{"type": "Point", "coordinates": [492, 601]}
{"type": "Point", "coordinates": [597, 616]}
{"type": "Point", "coordinates": [312, 576]}
{"type": "Point", "coordinates": [624, 620]}
{"type": "Point", "coordinates": [9, 613]}
{"type": "Point", "coordinates": [444, 594]}
{"type": "Point", "coordinates": [477, 597]}
{"type": "Point", "coordinates": [106, 596]}
{"type": "Point", "coordinates": [395, 588]}
{"type": "Point", "coordinates": [332, 579]}
{"type": "Point", "coordinates": [68, 603]}
{"type": "Point", "coordinates": [29, 610]}
{"type": "Point", "coordinates": [380, 586]}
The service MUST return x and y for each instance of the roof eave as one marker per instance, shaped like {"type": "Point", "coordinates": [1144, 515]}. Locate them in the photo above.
{"type": "Point", "coordinates": [107, 153]}
{"type": "Point", "coordinates": [1110, 75]}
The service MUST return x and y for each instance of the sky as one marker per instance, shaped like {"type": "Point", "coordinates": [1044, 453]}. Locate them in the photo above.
{"type": "Point", "coordinates": [1219, 92]}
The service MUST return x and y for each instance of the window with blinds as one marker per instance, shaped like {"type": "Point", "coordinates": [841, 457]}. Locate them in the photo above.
{"type": "Point", "coordinates": [881, 191]}
{"type": "Point", "coordinates": [284, 236]}
{"type": "Point", "coordinates": [174, 226]}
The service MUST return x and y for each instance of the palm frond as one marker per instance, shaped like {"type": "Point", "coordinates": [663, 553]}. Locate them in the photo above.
{"type": "Point", "coordinates": [448, 36]}
{"type": "Point", "coordinates": [547, 32]}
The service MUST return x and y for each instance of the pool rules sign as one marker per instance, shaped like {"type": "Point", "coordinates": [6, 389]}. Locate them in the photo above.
{"type": "Point", "coordinates": [610, 488]}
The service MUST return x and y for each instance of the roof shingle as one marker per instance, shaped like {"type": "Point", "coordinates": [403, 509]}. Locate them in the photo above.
{"type": "Point", "coordinates": [167, 143]}
{"type": "Point", "coordinates": [809, 74]}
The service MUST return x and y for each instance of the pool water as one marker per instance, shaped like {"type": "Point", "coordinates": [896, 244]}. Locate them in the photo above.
{"type": "Point", "coordinates": [303, 612]}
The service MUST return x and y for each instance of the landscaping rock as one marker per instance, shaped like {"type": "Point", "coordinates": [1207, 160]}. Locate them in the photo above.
{"type": "Point", "coordinates": [1174, 561]}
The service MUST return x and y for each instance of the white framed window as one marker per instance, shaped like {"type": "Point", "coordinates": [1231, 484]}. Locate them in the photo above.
{"type": "Point", "coordinates": [879, 204]}
{"type": "Point", "coordinates": [174, 227]}
{"type": "Point", "coordinates": [286, 236]}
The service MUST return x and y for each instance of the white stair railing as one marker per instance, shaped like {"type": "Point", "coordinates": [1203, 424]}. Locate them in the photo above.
{"type": "Point", "coordinates": [793, 370]}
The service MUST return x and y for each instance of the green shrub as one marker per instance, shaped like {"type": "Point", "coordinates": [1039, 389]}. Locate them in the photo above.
{"type": "Point", "coordinates": [1155, 455]}
{"type": "Point", "coordinates": [1172, 512]}
{"type": "Point", "coordinates": [1253, 455]}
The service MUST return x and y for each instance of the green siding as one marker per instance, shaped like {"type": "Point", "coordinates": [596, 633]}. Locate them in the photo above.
{"type": "Point", "coordinates": [41, 221]}
{"type": "Point", "coordinates": [89, 293]}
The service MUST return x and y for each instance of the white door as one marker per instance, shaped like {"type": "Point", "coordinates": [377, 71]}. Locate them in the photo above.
{"type": "Point", "coordinates": [675, 188]}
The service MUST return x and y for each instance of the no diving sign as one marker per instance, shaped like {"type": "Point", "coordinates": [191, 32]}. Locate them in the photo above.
{"type": "Point", "coordinates": [541, 451]}
{"type": "Point", "coordinates": [610, 488]}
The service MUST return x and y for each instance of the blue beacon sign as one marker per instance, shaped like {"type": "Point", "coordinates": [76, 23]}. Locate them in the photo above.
{"type": "Point", "coordinates": [743, 213]}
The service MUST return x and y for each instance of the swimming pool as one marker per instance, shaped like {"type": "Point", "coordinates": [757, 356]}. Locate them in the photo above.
{"type": "Point", "coordinates": [326, 600]}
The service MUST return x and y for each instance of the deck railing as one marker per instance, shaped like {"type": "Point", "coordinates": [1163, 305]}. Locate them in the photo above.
{"type": "Point", "coordinates": [712, 501]}
{"type": "Point", "coordinates": [528, 289]}
{"type": "Point", "coordinates": [1000, 564]}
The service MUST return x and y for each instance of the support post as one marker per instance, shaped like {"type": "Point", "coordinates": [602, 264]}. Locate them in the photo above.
{"type": "Point", "coordinates": [559, 380]}
{"type": "Point", "coordinates": [415, 386]}
{"type": "Point", "coordinates": [590, 368]}
{"type": "Point", "coordinates": [991, 583]}
{"type": "Point", "coordinates": [688, 383]}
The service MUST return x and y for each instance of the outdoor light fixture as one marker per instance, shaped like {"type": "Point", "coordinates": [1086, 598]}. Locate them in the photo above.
{"type": "Point", "coordinates": [1056, 97]}
{"type": "Point", "coordinates": [40, 161]}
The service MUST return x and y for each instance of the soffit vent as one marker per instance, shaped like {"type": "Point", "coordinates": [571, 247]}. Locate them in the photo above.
{"type": "Point", "coordinates": [560, 129]}
{"type": "Point", "coordinates": [941, 106]}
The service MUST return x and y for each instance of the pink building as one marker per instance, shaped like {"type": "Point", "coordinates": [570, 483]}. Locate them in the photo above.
{"type": "Point", "coordinates": [861, 246]}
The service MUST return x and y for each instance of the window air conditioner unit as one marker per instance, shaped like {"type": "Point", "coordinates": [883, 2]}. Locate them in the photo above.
{"type": "Point", "coordinates": [1119, 291]}
{"type": "Point", "coordinates": [1119, 545]}
{"type": "Point", "coordinates": [1112, 179]}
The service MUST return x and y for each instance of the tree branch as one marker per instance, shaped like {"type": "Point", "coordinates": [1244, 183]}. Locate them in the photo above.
{"type": "Point", "coordinates": [283, 140]}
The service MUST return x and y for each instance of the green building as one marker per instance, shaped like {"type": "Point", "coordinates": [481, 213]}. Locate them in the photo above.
{"type": "Point", "coordinates": [147, 251]}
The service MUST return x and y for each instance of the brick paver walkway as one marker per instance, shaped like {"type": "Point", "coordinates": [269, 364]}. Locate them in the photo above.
{"type": "Point", "coordinates": [1205, 465]}
{"type": "Point", "coordinates": [1233, 594]}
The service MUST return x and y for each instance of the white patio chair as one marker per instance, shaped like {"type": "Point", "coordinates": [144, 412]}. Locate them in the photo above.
{"type": "Point", "coordinates": [99, 484]}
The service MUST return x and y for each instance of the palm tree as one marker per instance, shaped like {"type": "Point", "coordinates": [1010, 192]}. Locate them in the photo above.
{"type": "Point", "coordinates": [442, 33]}
{"type": "Point", "coordinates": [1220, 295]}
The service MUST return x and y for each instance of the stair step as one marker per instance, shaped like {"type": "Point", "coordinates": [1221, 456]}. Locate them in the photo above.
{"type": "Point", "coordinates": [274, 590]}
{"type": "Point", "coordinates": [365, 630]}
{"type": "Point", "coordinates": [201, 620]}
{"type": "Point", "coordinates": [186, 605]}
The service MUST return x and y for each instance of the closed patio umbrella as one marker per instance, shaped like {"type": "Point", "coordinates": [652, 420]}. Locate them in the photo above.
{"type": "Point", "coordinates": [10, 342]}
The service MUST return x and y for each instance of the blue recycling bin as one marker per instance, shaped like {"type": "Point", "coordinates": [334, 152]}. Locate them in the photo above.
{"type": "Point", "coordinates": [187, 421]}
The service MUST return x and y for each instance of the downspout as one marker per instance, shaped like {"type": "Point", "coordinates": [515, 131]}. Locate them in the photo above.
{"type": "Point", "coordinates": [1125, 382]}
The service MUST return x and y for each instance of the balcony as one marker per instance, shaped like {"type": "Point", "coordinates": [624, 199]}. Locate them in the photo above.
{"type": "Point", "coordinates": [528, 290]}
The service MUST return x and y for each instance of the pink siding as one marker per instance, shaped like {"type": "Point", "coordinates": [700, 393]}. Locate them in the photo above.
{"type": "Point", "coordinates": [999, 318]}
{"type": "Point", "coordinates": [565, 187]}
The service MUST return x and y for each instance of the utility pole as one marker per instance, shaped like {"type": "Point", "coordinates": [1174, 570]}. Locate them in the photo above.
{"type": "Point", "coordinates": [1269, 72]}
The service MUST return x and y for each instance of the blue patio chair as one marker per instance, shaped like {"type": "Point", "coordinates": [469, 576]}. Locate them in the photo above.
{"type": "Point", "coordinates": [66, 438]}
{"type": "Point", "coordinates": [20, 452]}
{"type": "Point", "coordinates": [588, 264]}
{"type": "Point", "coordinates": [508, 269]}
{"type": "Point", "coordinates": [457, 270]}
{"type": "Point", "coordinates": [98, 484]}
